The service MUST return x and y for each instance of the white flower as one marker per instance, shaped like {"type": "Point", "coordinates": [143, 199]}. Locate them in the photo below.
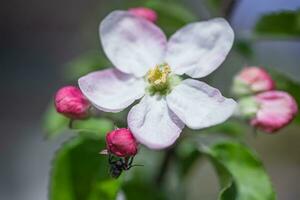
{"type": "Point", "coordinates": [147, 67]}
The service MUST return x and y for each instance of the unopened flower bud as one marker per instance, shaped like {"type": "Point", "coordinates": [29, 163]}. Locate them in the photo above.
{"type": "Point", "coordinates": [146, 13]}
{"type": "Point", "coordinates": [70, 102]}
{"type": "Point", "coordinates": [252, 80]}
{"type": "Point", "coordinates": [121, 143]}
{"type": "Point", "coordinates": [247, 107]}
{"type": "Point", "coordinates": [276, 110]}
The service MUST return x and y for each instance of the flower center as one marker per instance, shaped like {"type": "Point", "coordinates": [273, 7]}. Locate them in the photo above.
{"type": "Point", "coordinates": [159, 79]}
{"type": "Point", "coordinates": [158, 76]}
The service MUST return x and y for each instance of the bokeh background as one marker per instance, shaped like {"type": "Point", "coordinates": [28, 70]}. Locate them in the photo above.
{"type": "Point", "coordinates": [38, 38]}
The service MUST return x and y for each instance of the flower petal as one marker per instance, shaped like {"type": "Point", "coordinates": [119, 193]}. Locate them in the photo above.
{"type": "Point", "coordinates": [133, 44]}
{"type": "Point", "coordinates": [111, 90]}
{"type": "Point", "coordinates": [199, 105]}
{"type": "Point", "coordinates": [153, 123]}
{"type": "Point", "coordinates": [199, 48]}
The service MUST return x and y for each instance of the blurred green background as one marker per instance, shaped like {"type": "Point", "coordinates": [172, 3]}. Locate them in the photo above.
{"type": "Point", "coordinates": [39, 41]}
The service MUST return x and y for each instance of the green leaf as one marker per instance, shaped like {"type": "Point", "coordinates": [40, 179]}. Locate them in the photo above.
{"type": "Point", "coordinates": [242, 175]}
{"type": "Point", "coordinates": [53, 122]}
{"type": "Point", "coordinates": [137, 189]}
{"type": "Point", "coordinates": [79, 172]}
{"type": "Point", "coordinates": [283, 23]}
{"type": "Point", "coordinates": [285, 83]}
{"type": "Point", "coordinates": [95, 127]}
{"type": "Point", "coordinates": [188, 153]}
{"type": "Point", "coordinates": [228, 187]}
{"type": "Point", "coordinates": [230, 128]}
{"type": "Point", "coordinates": [141, 183]}
{"type": "Point", "coordinates": [171, 15]}
{"type": "Point", "coordinates": [243, 47]}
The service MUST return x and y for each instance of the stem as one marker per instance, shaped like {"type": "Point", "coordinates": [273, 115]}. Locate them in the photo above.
{"type": "Point", "coordinates": [71, 123]}
{"type": "Point", "coordinates": [165, 164]}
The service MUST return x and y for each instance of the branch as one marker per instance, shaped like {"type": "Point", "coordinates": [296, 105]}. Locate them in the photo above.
{"type": "Point", "coordinates": [227, 8]}
{"type": "Point", "coordinates": [165, 164]}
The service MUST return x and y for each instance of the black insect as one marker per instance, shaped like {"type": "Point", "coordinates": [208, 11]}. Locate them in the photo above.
{"type": "Point", "coordinates": [118, 165]}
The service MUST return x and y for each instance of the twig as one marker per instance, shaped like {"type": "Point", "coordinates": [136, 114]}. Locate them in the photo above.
{"type": "Point", "coordinates": [227, 8]}
{"type": "Point", "coordinates": [165, 164]}
{"type": "Point", "coordinates": [71, 123]}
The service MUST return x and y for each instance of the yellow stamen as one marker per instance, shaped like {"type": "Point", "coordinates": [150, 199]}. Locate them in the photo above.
{"type": "Point", "coordinates": [158, 76]}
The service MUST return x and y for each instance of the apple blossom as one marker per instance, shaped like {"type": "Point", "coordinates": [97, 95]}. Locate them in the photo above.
{"type": "Point", "coordinates": [147, 13]}
{"type": "Point", "coordinates": [121, 143]}
{"type": "Point", "coordinates": [149, 67]}
{"type": "Point", "coordinates": [252, 80]}
{"type": "Point", "coordinates": [276, 109]}
{"type": "Point", "coordinates": [70, 102]}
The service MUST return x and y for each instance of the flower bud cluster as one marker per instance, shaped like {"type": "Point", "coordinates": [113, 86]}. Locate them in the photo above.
{"type": "Point", "coordinates": [266, 108]}
{"type": "Point", "coordinates": [252, 80]}
{"type": "Point", "coordinates": [121, 143]}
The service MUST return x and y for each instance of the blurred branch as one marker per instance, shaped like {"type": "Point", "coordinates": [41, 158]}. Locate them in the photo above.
{"type": "Point", "coordinates": [265, 38]}
{"type": "Point", "coordinates": [165, 164]}
{"type": "Point", "coordinates": [227, 8]}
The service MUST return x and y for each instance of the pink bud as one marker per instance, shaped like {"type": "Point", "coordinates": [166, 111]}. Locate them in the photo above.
{"type": "Point", "coordinates": [252, 80]}
{"type": "Point", "coordinates": [70, 102]}
{"type": "Point", "coordinates": [146, 13]}
{"type": "Point", "coordinates": [276, 110]}
{"type": "Point", "coordinates": [121, 143]}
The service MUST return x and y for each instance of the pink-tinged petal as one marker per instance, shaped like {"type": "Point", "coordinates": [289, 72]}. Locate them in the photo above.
{"type": "Point", "coordinates": [199, 105]}
{"type": "Point", "coordinates": [133, 44]}
{"type": "Point", "coordinates": [252, 80]}
{"type": "Point", "coordinates": [153, 123]}
{"type": "Point", "coordinates": [111, 90]}
{"type": "Point", "coordinates": [199, 48]}
{"type": "Point", "coordinates": [146, 13]}
{"type": "Point", "coordinates": [276, 110]}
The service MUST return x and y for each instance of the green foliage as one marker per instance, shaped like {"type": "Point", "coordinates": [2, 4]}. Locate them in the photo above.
{"type": "Point", "coordinates": [95, 127]}
{"type": "Point", "coordinates": [244, 47]}
{"type": "Point", "coordinates": [283, 23]}
{"type": "Point", "coordinates": [214, 5]}
{"type": "Point", "coordinates": [137, 189]}
{"type": "Point", "coordinates": [79, 172]}
{"type": "Point", "coordinates": [187, 154]}
{"type": "Point", "coordinates": [85, 64]}
{"type": "Point", "coordinates": [232, 128]}
{"type": "Point", "coordinates": [285, 83]}
{"type": "Point", "coordinates": [54, 123]}
{"type": "Point", "coordinates": [171, 16]}
{"type": "Point", "coordinates": [228, 187]}
{"type": "Point", "coordinates": [242, 175]}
